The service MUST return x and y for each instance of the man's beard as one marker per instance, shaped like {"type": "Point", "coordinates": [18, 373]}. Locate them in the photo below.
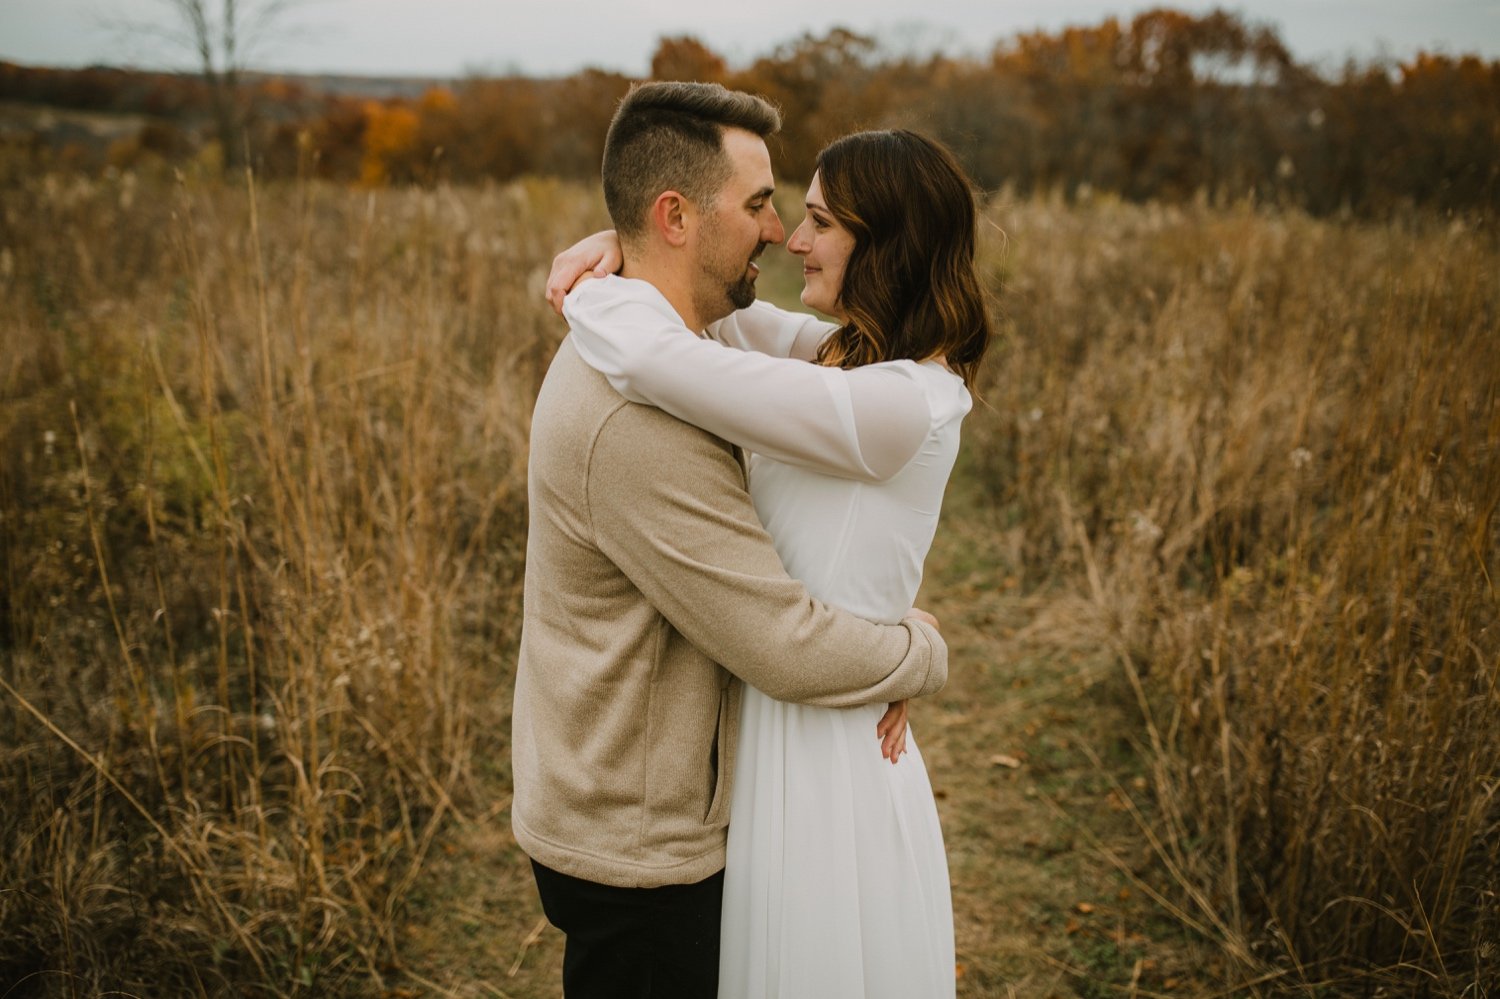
{"type": "Point", "coordinates": [716, 300]}
{"type": "Point", "coordinates": [742, 292]}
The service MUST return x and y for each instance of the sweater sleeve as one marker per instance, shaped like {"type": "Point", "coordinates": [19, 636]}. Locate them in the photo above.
{"type": "Point", "coordinates": [866, 423]}
{"type": "Point", "coordinates": [670, 509]}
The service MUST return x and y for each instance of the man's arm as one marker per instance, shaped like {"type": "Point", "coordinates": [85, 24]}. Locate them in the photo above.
{"type": "Point", "coordinates": [668, 505]}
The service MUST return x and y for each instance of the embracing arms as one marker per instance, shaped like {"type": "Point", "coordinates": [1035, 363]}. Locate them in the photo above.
{"type": "Point", "coordinates": [667, 506]}
{"type": "Point", "coordinates": [865, 423]}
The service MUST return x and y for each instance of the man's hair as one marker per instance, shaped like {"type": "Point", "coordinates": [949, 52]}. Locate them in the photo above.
{"type": "Point", "coordinates": [669, 136]}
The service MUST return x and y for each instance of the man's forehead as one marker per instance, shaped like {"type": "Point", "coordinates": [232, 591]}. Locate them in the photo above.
{"type": "Point", "coordinates": [750, 158]}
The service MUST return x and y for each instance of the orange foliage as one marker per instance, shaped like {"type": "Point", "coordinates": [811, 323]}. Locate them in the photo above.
{"type": "Point", "coordinates": [390, 135]}
{"type": "Point", "coordinates": [686, 58]}
{"type": "Point", "coordinates": [438, 100]}
{"type": "Point", "coordinates": [1167, 104]}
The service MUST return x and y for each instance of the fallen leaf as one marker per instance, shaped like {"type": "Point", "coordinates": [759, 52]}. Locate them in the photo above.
{"type": "Point", "coordinates": [1085, 907]}
{"type": "Point", "coordinates": [1004, 760]}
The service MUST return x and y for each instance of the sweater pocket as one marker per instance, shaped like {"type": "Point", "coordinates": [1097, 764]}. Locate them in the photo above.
{"type": "Point", "coordinates": [723, 760]}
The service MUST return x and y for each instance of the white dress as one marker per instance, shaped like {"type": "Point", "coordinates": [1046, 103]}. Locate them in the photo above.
{"type": "Point", "coordinates": [836, 881]}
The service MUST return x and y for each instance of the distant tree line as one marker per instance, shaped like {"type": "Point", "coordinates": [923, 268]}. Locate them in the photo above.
{"type": "Point", "coordinates": [1168, 105]}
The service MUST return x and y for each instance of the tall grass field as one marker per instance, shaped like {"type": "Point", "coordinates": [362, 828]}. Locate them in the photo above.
{"type": "Point", "coordinates": [262, 531]}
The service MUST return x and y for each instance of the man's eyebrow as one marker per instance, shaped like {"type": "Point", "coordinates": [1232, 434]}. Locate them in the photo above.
{"type": "Point", "coordinates": [764, 192]}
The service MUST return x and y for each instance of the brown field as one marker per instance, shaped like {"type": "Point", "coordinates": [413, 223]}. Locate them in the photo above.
{"type": "Point", "coordinates": [1217, 569]}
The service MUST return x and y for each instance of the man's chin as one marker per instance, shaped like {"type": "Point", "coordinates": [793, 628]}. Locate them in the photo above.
{"type": "Point", "coordinates": [742, 294]}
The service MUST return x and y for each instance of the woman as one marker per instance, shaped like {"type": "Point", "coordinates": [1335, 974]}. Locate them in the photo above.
{"type": "Point", "coordinates": [836, 883]}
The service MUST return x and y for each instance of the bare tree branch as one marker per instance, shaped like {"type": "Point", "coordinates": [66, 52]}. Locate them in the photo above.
{"type": "Point", "coordinates": [220, 36]}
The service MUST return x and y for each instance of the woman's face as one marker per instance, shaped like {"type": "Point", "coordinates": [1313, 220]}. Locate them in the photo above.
{"type": "Point", "coordinates": [824, 247]}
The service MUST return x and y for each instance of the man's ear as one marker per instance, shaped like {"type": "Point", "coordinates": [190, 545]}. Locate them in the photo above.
{"type": "Point", "coordinates": [672, 215]}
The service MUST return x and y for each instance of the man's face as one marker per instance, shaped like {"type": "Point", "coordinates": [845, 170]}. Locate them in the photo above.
{"type": "Point", "coordinates": [735, 229]}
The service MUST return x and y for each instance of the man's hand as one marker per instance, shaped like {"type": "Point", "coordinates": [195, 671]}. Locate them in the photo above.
{"type": "Point", "coordinates": [892, 725]}
{"type": "Point", "coordinates": [892, 731]}
{"type": "Point", "coordinates": [591, 257]}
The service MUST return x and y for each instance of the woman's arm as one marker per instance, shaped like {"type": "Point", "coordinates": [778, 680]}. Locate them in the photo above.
{"type": "Point", "coordinates": [591, 257]}
{"type": "Point", "coordinates": [768, 329]}
{"type": "Point", "coordinates": [866, 423]}
{"type": "Point", "coordinates": [762, 327]}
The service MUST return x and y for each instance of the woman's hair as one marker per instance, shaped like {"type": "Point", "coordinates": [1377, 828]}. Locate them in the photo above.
{"type": "Point", "coordinates": [910, 291]}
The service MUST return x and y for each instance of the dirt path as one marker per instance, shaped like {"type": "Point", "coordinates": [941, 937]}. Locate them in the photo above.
{"type": "Point", "coordinates": [1030, 751]}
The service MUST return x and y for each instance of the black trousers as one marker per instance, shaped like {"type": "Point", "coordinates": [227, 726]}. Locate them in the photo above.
{"type": "Point", "coordinates": [635, 943]}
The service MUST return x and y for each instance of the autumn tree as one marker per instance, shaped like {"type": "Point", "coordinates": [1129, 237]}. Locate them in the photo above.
{"type": "Point", "coordinates": [684, 57]}
{"type": "Point", "coordinates": [574, 116]}
{"type": "Point", "coordinates": [389, 140]}
{"type": "Point", "coordinates": [819, 82]}
{"type": "Point", "coordinates": [1449, 105]}
{"type": "Point", "coordinates": [1167, 104]}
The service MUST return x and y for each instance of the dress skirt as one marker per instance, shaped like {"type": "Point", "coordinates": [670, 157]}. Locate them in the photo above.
{"type": "Point", "coordinates": [836, 882]}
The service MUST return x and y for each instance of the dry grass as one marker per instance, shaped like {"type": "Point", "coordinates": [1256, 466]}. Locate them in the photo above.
{"type": "Point", "coordinates": [1262, 453]}
{"type": "Point", "coordinates": [261, 509]}
{"type": "Point", "coordinates": [263, 501]}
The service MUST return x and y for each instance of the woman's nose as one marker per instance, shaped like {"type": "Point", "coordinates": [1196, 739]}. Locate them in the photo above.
{"type": "Point", "coordinates": [798, 243]}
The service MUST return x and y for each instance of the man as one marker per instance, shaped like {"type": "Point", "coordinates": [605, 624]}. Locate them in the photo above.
{"type": "Point", "coordinates": [651, 586]}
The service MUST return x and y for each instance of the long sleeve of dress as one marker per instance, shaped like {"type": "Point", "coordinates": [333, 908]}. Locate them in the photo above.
{"type": "Point", "coordinates": [769, 329]}
{"type": "Point", "coordinates": [865, 424]}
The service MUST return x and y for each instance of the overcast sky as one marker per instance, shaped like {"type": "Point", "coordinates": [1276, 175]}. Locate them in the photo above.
{"type": "Point", "coordinates": [557, 37]}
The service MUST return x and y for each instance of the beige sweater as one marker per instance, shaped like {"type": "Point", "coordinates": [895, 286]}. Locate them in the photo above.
{"type": "Point", "coordinates": [651, 585]}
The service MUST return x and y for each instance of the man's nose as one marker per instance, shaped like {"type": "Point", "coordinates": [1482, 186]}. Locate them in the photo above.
{"type": "Point", "coordinates": [775, 232]}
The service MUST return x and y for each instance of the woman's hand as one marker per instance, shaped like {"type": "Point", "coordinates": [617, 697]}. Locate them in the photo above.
{"type": "Point", "coordinates": [924, 617]}
{"type": "Point", "coordinates": [892, 731]}
{"type": "Point", "coordinates": [590, 257]}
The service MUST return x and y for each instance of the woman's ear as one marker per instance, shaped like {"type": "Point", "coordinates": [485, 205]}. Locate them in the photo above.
{"type": "Point", "coordinates": [672, 214]}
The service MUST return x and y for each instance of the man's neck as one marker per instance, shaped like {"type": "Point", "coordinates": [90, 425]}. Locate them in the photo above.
{"type": "Point", "coordinates": [675, 288]}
